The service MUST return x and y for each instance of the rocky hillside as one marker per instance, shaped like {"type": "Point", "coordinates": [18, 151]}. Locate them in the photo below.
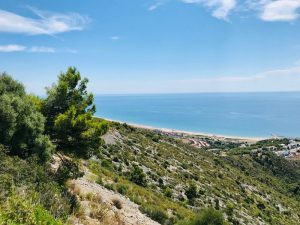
{"type": "Point", "coordinates": [61, 165]}
{"type": "Point", "coordinates": [139, 174]}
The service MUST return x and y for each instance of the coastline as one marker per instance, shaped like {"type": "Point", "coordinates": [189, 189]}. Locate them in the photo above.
{"type": "Point", "coordinates": [191, 133]}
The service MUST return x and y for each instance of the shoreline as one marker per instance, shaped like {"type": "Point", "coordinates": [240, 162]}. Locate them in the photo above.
{"type": "Point", "coordinates": [191, 133]}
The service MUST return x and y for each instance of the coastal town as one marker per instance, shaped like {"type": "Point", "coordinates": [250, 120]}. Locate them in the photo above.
{"type": "Point", "coordinates": [288, 148]}
{"type": "Point", "coordinates": [291, 150]}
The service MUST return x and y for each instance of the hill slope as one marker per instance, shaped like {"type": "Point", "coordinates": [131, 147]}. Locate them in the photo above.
{"type": "Point", "coordinates": [170, 180]}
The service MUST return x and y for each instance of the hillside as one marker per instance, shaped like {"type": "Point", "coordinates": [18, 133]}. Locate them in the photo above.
{"type": "Point", "coordinates": [61, 165]}
{"type": "Point", "coordinates": [243, 186]}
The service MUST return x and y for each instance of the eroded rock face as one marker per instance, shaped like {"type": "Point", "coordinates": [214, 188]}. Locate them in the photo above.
{"type": "Point", "coordinates": [116, 208]}
{"type": "Point", "coordinates": [111, 137]}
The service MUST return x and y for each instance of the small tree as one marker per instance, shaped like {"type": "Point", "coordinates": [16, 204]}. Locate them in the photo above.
{"type": "Point", "coordinates": [70, 90]}
{"type": "Point", "coordinates": [69, 111]}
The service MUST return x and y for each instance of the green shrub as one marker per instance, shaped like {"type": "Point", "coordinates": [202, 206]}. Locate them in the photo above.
{"type": "Point", "coordinates": [107, 164]}
{"type": "Point", "coordinates": [138, 176]}
{"type": "Point", "coordinates": [137, 199]}
{"type": "Point", "coordinates": [155, 213]}
{"type": "Point", "coordinates": [168, 192]}
{"type": "Point", "coordinates": [122, 189]}
{"type": "Point", "coordinates": [208, 216]}
{"type": "Point", "coordinates": [18, 210]}
{"type": "Point", "coordinates": [191, 192]}
{"type": "Point", "coordinates": [229, 209]}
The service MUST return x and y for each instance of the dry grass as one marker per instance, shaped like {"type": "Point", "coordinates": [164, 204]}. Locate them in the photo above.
{"type": "Point", "coordinates": [98, 211]}
{"type": "Point", "coordinates": [80, 213]}
{"type": "Point", "coordinates": [96, 198]}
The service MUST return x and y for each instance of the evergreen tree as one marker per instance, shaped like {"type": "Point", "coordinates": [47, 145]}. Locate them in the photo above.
{"type": "Point", "coordinates": [69, 111]}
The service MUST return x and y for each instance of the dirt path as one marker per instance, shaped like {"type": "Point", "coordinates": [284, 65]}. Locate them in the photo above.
{"type": "Point", "coordinates": [112, 207]}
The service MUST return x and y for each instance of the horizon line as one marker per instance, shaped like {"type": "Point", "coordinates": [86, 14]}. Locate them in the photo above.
{"type": "Point", "coordinates": [206, 92]}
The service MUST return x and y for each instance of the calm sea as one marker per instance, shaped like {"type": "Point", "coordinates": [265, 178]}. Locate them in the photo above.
{"type": "Point", "coordinates": [237, 114]}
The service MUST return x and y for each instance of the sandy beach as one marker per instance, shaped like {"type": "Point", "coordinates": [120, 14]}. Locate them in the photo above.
{"type": "Point", "coordinates": [190, 133]}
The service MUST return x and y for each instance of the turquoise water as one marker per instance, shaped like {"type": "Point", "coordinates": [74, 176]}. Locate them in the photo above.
{"type": "Point", "coordinates": [238, 114]}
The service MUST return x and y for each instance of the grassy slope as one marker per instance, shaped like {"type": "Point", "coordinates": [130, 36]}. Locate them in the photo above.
{"type": "Point", "coordinates": [29, 195]}
{"type": "Point", "coordinates": [240, 185]}
{"type": "Point", "coordinates": [251, 188]}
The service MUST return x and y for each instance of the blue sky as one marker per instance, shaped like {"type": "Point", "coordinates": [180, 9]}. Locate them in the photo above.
{"type": "Point", "coordinates": [154, 46]}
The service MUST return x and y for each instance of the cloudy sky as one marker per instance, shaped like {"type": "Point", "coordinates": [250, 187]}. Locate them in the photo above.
{"type": "Point", "coordinates": [154, 46]}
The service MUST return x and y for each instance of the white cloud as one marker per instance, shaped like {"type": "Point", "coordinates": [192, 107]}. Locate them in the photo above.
{"type": "Point", "coordinates": [221, 8]}
{"type": "Point", "coordinates": [41, 49]}
{"type": "Point", "coordinates": [47, 23]}
{"type": "Point", "coordinates": [33, 49]}
{"type": "Point", "coordinates": [12, 48]}
{"type": "Point", "coordinates": [275, 10]}
{"type": "Point", "coordinates": [115, 38]}
{"type": "Point", "coordinates": [269, 10]}
{"type": "Point", "coordinates": [155, 5]}
{"type": "Point", "coordinates": [281, 10]}
{"type": "Point", "coordinates": [73, 51]}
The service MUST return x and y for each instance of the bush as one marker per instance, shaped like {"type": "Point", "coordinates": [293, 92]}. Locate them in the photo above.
{"type": "Point", "coordinates": [208, 216]}
{"type": "Point", "coordinates": [168, 192]}
{"type": "Point", "coordinates": [138, 176]}
{"type": "Point", "coordinates": [191, 192]}
{"type": "Point", "coordinates": [229, 209]}
{"type": "Point", "coordinates": [155, 213]}
{"type": "Point", "coordinates": [43, 147]}
{"type": "Point", "coordinates": [107, 164]}
{"type": "Point", "coordinates": [122, 189]}
{"type": "Point", "coordinates": [20, 210]}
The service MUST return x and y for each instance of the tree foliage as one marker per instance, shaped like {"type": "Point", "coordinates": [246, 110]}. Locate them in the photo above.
{"type": "Point", "coordinates": [9, 86]}
{"type": "Point", "coordinates": [21, 125]}
{"type": "Point", "coordinates": [69, 111]}
{"type": "Point", "coordinates": [31, 192]}
{"type": "Point", "coordinates": [70, 90]}
{"type": "Point", "coordinates": [79, 132]}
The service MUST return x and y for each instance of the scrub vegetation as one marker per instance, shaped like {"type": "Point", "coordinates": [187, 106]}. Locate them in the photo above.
{"type": "Point", "coordinates": [51, 146]}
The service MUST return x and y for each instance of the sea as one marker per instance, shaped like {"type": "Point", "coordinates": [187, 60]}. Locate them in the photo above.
{"type": "Point", "coordinates": [230, 114]}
